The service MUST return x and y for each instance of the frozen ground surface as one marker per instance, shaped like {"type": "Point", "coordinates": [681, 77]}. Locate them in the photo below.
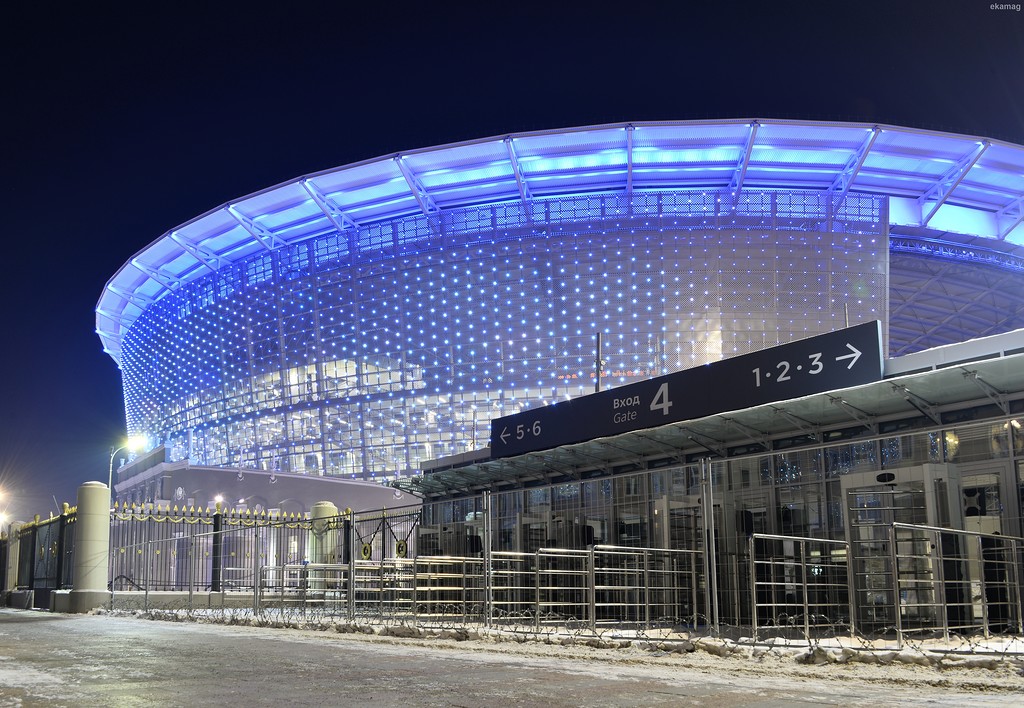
{"type": "Point", "coordinates": [125, 659]}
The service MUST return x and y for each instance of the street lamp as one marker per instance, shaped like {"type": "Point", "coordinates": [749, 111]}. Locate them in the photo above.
{"type": "Point", "coordinates": [132, 445]}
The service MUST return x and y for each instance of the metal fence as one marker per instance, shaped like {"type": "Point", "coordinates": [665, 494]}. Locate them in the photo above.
{"type": "Point", "coordinates": [45, 556]}
{"type": "Point", "coordinates": [954, 582]}
{"type": "Point", "coordinates": [801, 586]}
{"type": "Point", "coordinates": [912, 581]}
{"type": "Point", "coordinates": [600, 586]}
{"type": "Point", "coordinates": [162, 549]}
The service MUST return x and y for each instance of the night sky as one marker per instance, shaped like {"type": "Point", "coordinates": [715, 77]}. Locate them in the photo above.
{"type": "Point", "coordinates": [119, 126]}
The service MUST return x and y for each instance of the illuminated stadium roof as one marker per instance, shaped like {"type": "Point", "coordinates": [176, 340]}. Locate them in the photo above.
{"type": "Point", "coordinates": [940, 183]}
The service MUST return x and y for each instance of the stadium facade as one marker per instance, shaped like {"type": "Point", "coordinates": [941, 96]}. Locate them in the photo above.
{"type": "Point", "coordinates": [358, 322]}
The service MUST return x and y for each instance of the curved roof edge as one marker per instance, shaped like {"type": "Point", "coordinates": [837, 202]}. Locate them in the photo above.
{"type": "Point", "coordinates": [939, 183]}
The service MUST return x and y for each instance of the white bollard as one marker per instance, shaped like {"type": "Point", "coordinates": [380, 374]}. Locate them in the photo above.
{"type": "Point", "coordinates": [323, 542]}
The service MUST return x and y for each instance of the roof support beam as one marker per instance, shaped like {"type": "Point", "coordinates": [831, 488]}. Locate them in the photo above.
{"type": "Point", "coordinates": [844, 180]}
{"type": "Point", "coordinates": [996, 396]}
{"type": "Point", "coordinates": [342, 221]}
{"type": "Point", "coordinates": [517, 171]}
{"type": "Point", "coordinates": [205, 256]}
{"type": "Point", "coordinates": [423, 197]}
{"type": "Point", "coordinates": [740, 173]}
{"type": "Point", "coordinates": [1014, 214]}
{"type": "Point", "coordinates": [923, 406]}
{"type": "Point", "coordinates": [856, 413]}
{"type": "Point", "coordinates": [670, 450]}
{"type": "Point", "coordinates": [757, 436]}
{"type": "Point", "coordinates": [164, 279]}
{"type": "Point", "coordinates": [134, 298]}
{"type": "Point", "coordinates": [939, 192]}
{"type": "Point", "coordinates": [114, 316]}
{"type": "Point", "coordinates": [801, 424]}
{"type": "Point", "coordinates": [709, 444]}
{"type": "Point", "coordinates": [262, 234]}
{"type": "Point", "coordinates": [629, 160]}
{"type": "Point", "coordinates": [637, 460]}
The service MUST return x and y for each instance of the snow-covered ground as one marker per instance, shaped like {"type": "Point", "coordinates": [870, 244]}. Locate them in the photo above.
{"type": "Point", "coordinates": [994, 665]}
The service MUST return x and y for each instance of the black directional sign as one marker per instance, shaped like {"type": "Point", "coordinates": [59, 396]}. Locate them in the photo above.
{"type": "Point", "coordinates": [848, 357]}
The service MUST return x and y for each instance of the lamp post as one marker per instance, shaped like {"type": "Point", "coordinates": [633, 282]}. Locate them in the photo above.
{"type": "Point", "coordinates": [133, 444]}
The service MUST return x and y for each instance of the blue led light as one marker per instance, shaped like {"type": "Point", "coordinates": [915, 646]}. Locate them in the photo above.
{"type": "Point", "coordinates": [322, 360]}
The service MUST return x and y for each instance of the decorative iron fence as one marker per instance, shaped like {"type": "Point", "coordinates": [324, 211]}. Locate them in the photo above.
{"type": "Point", "coordinates": [45, 557]}
{"type": "Point", "coordinates": [160, 549]}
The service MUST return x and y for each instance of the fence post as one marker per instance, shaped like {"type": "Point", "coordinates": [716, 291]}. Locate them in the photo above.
{"type": "Point", "coordinates": [710, 552]}
{"type": "Point", "coordinates": [536, 590]}
{"type": "Point", "coordinates": [753, 587]}
{"type": "Point", "coordinates": [647, 589]}
{"type": "Point", "coordinates": [217, 552]}
{"type": "Point", "coordinates": [592, 586]}
{"type": "Point", "coordinates": [1015, 550]}
{"type": "Point", "coordinates": [257, 583]}
{"type": "Point", "coordinates": [803, 581]}
{"type": "Point", "coordinates": [62, 527]}
{"type": "Point", "coordinates": [941, 570]}
{"type": "Point", "coordinates": [488, 562]}
{"type": "Point", "coordinates": [895, 575]}
{"type": "Point", "coordinates": [851, 592]}
{"type": "Point", "coordinates": [984, 589]}
{"type": "Point", "coordinates": [350, 540]}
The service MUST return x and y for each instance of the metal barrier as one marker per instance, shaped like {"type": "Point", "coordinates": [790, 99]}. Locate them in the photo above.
{"type": "Point", "coordinates": [45, 556]}
{"type": "Point", "coordinates": [603, 585]}
{"type": "Point", "coordinates": [925, 580]}
{"type": "Point", "coordinates": [954, 582]}
{"type": "Point", "coordinates": [163, 549]}
{"type": "Point", "coordinates": [800, 584]}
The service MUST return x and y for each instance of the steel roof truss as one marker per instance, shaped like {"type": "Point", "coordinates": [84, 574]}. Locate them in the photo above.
{"type": "Point", "coordinates": [942, 189]}
{"type": "Point", "coordinates": [165, 279]}
{"type": "Point", "coordinates": [342, 221]}
{"type": "Point", "coordinates": [134, 298]}
{"type": "Point", "coordinates": [262, 234]}
{"type": "Point", "coordinates": [998, 397]}
{"type": "Point", "coordinates": [115, 316]}
{"type": "Point", "coordinates": [844, 180]}
{"type": "Point", "coordinates": [1014, 213]}
{"type": "Point", "coordinates": [740, 172]}
{"type": "Point", "coordinates": [423, 197]}
{"type": "Point", "coordinates": [204, 255]}
{"type": "Point", "coordinates": [629, 160]}
{"type": "Point", "coordinates": [524, 189]}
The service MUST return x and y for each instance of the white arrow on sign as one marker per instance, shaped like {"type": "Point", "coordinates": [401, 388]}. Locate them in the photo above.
{"type": "Point", "coordinates": [505, 434]}
{"type": "Point", "coordinates": [852, 357]}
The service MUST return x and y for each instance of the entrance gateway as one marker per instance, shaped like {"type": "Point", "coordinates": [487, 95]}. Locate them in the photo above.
{"type": "Point", "coordinates": [937, 443]}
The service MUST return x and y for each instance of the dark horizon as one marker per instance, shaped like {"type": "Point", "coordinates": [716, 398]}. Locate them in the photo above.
{"type": "Point", "coordinates": [123, 126]}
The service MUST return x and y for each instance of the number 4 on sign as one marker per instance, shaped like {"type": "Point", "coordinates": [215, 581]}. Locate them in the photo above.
{"type": "Point", "coordinates": [661, 402]}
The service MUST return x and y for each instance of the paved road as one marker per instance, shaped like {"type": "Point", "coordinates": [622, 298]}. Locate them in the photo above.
{"type": "Point", "coordinates": [79, 660]}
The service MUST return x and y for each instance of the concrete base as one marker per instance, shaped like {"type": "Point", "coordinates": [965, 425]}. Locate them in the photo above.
{"type": "Point", "coordinates": [78, 601]}
{"type": "Point", "coordinates": [21, 599]}
{"type": "Point", "coordinates": [163, 600]}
